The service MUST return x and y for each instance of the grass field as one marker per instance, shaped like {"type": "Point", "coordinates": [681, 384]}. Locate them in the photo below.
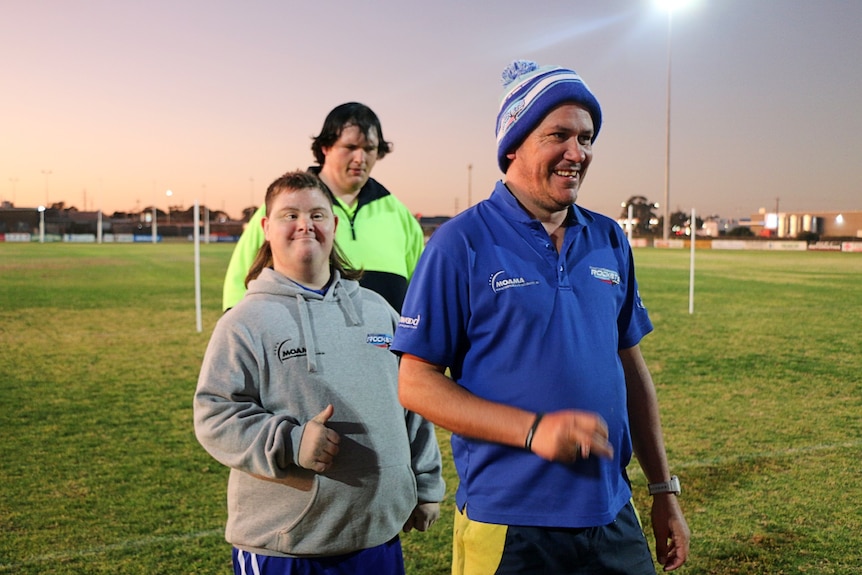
{"type": "Point", "coordinates": [761, 395]}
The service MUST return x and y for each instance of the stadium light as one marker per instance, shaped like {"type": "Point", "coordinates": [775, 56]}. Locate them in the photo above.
{"type": "Point", "coordinates": [669, 6]}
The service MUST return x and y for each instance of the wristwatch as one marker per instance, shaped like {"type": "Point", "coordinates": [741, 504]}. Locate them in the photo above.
{"type": "Point", "coordinates": [671, 486]}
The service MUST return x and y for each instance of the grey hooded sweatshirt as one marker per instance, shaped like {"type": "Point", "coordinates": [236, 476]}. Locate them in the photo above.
{"type": "Point", "coordinates": [276, 360]}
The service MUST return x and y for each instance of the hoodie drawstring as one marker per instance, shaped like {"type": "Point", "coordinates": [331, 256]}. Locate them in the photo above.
{"type": "Point", "coordinates": [345, 302]}
{"type": "Point", "coordinates": [305, 326]}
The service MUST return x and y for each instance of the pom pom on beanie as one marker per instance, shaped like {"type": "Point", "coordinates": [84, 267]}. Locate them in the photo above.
{"type": "Point", "coordinates": [530, 93]}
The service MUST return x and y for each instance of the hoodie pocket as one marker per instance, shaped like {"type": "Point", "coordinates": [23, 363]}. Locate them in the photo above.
{"type": "Point", "coordinates": [352, 510]}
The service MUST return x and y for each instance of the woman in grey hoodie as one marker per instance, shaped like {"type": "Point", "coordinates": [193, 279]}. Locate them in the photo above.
{"type": "Point", "coordinates": [298, 396]}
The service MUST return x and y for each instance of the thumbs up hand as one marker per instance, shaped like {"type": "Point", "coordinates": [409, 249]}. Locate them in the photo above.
{"type": "Point", "coordinates": [319, 444]}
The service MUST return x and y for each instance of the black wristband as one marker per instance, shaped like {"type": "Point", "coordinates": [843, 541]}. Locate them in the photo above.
{"type": "Point", "coordinates": [528, 444]}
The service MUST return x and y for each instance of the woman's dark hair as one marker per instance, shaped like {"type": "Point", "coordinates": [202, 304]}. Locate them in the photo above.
{"type": "Point", "coordinates": [293, 182]}
{"type": "Point", "coordinates": [349, 114]}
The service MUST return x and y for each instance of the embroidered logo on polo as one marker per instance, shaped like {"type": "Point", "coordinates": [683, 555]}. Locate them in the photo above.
{"type": "Point", "coordinates": [605, 275]}
{"type": "Point", "coordinates": [381, 340]}
{"type": "Point", "coordinates": [502, 281]}
{"type": "Point", "coordinates": [409, 322]}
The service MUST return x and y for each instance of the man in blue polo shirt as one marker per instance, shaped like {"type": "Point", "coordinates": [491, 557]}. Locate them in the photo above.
{"type": "Point", "coordinates": [531, 303]}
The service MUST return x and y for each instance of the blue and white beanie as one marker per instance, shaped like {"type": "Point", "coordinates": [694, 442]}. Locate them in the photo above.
{"type": "Point", "coordinates": [531, 92]}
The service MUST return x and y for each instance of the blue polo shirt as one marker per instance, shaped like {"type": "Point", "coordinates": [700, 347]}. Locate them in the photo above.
{"type": "Point", "coordinates": [520, 324]}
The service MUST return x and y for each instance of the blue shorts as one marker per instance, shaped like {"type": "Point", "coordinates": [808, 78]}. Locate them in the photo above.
{"type": "Point", "coordinates": [487, 549]}
{"type": "Point", "coordinates": [385, 559]}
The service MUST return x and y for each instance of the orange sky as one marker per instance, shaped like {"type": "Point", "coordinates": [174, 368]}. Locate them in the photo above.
{"type": "Point", "coordinates": [121, 101]}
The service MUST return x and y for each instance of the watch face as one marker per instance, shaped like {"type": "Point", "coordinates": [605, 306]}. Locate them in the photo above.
{"type": "Point", "coordinates": [671, 486]}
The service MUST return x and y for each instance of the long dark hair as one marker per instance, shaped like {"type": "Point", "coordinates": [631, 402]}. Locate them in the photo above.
{"type": "Point", "coordinates": [349, 114]}
{"type": "Point", "coordinates": [295, 181]}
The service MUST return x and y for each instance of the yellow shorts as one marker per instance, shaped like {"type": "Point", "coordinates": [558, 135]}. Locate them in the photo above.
{"type": "Point", "coordinates": [489, 549]}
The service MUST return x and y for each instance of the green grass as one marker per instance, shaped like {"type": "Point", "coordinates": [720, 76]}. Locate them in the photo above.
{"type": "Point", "coordinates": [761, 395]}
{"type": "Point", "coordinates": [760, 389]}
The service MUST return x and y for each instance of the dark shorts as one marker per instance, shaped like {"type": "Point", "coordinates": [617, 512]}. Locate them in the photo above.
{"type": "Point", "coordinates": [486, 549]}
{"type": "Point", "coordinates": [385, 559]}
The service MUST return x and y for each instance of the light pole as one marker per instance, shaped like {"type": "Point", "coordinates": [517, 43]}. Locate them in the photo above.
{"type": "Point", "coordinates": [669, 6]}
{"type": "Point", "coordinates": [169, 193]}
{"type": "Point", "coordinates": [666, 226]}
{"type": "Point", "coordinates": [41, 224]}
{"type": "Point", "coordinates": [155, 226]}
{"type": "Point", "coordinates": [206, 216]}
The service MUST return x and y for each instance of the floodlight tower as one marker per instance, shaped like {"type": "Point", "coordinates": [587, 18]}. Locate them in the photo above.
{"type": "Point", "coordinates": [669, 6]}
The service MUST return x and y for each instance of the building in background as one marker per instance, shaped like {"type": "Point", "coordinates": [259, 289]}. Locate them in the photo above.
{"type": "Point", "coordinates": [802, 225]}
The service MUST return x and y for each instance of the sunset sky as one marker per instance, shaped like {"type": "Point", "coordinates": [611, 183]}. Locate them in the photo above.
{"type": "Point", "coordinates": [107, 104]}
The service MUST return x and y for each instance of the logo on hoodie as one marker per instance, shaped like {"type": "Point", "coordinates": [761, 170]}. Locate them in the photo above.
{"type": "Point", "coordinates": [285, 352]}
{"type": "Point", "coordinates": [381, 340]}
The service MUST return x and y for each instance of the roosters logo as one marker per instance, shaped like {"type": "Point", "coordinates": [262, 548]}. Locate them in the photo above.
{"type": "Point", "coordinates": [511, 115]}
{"type": "Point", "coordinates": [605, 275]}
{"type": "Point", "coordinates": [381, 340]}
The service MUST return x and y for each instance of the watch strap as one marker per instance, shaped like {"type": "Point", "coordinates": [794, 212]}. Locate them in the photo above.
{"type": "Point", "coordinates": [671, 486]}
